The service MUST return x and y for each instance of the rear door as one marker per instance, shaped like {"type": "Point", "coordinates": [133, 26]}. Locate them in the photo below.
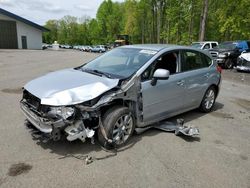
{"type": "Point", "coordinates": [195, 72]}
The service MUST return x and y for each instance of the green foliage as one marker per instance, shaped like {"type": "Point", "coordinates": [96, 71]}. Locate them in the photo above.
{"type": "Point", "coordinates": [154, 21]}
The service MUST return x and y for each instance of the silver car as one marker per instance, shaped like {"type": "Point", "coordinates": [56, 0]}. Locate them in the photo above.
{"type": "Point", "coordinates": [126, 88]}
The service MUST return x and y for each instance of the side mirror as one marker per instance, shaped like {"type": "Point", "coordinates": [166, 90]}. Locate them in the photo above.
{"type": "Point", "coordinates": [160, 74]}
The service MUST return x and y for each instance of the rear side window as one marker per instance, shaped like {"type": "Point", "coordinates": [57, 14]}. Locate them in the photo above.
{"type": "Point", "coordinates": [214, 45]}
{"type": "Point", "coordinates": [192, 60]}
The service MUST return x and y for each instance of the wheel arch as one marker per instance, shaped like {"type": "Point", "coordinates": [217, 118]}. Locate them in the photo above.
{"type": "Point", "coordinates": [216, 89]}
{"type": "Point", "coordinates": [118, 102]}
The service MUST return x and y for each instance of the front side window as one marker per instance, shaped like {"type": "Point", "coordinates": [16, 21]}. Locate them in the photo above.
{"type": "Point", "coordinates": [207, 46]}
{"type": "Point", "coordinates": [168, 61]}
{"type": "Point", "coordinates": [192, 60]}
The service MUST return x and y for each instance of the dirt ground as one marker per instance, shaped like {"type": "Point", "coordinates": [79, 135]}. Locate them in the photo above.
{"type": "Point", "coordinates": [220, 157]}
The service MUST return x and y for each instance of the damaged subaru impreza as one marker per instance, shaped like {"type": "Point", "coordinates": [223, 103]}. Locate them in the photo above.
{"type": "Point", "coordinates": [126, 88]}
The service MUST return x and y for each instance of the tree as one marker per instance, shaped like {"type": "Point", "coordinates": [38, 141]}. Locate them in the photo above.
{"type": "Point", "coordinates": [203, 20]}
{"type": "Point", "coordinates": [155, 21]}
{"type": "Point", "coordinates": [52, 35]}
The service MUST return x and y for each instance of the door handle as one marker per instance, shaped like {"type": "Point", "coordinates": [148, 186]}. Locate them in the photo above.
{"type": "Point", "coordinates": [180, 83]}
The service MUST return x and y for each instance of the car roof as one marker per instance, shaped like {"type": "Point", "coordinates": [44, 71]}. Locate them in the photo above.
{"type": "Point", "coordinates": [204, 42]}
{"type": "Point", "coordinates": [169, 47]}
{"type": "Point", "coordinates": [157, 47]}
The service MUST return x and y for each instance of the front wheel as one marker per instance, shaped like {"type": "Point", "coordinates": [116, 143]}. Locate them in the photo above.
{"type": "Point", "coordinates": [208, 100]}
{"type": "Point", "coordinates": [119, 124]}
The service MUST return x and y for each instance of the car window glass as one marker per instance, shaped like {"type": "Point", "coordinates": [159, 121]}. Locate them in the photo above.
{"type": "Point", "coordinates": [109, 61]}
{"type": "Point", "coordinates": [214, 45]}
{"type": "Point", "coordinates": [206, 46]}
{"type": "Point", "coordinates": [168, 61]}
{"type": "Point", "coordinates": [192, 60]}
{"type": "Point", "coordinates": [206, 60]}
{"type": "Point", "coordinates": [122, 62]}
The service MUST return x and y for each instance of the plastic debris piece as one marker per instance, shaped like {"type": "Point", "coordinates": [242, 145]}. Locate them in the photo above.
{"type": "Point", "coordinates": [178, 128]}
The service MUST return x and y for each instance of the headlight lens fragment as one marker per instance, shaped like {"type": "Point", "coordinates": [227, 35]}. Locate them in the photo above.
{"type": "Point", "coordinates": [64, 112]}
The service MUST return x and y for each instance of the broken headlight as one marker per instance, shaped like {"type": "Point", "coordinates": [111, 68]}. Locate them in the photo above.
{"type": "Point", "coordinates": [64, 112]}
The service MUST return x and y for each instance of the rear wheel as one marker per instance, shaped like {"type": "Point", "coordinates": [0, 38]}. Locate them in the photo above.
{"type": "Point", "coordinates": [118, 124]}
{"type": "Point", "coordinates": [208, 100]}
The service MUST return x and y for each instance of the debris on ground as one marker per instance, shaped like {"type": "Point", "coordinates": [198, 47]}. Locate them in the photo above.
{"type": "Point", "coordinates": [178, 128]}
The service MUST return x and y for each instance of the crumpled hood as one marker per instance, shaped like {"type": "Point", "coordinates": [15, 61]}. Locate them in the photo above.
{"type": "Point", "coordinates": [69, 86]}
{"type": "Point", "coordinates": [246, 56]}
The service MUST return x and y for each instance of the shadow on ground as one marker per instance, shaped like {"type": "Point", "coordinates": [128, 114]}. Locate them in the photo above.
{"type": "Point", "coordinates": [81, 151]}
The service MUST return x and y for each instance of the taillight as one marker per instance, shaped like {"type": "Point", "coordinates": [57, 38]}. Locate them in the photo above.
{"type": "Point", "coordinates": [219, 69]}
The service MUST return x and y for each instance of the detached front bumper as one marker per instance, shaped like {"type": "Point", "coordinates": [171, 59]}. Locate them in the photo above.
{"type": "Point", "coordinates": [73, 131]}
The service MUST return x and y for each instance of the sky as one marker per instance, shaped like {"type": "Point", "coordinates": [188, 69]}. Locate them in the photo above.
{"type": "Point", "coordinates": [40, 11]}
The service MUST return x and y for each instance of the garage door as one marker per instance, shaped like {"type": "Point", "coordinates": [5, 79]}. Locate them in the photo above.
{"type": "Point", "coordinates": [8, 35]}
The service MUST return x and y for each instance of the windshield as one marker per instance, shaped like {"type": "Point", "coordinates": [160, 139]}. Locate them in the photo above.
{"type": "Point", "coordinates": [197, 45]}
{"type": "Point", "coordinates": [119, 62]}
{"type": "Point", "coordinates": [226, 45]}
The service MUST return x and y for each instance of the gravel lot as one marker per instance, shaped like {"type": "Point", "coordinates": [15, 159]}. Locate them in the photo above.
{"type": "Point", "coordinates": [220, 158]}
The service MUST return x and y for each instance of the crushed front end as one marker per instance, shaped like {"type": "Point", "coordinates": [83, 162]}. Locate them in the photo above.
{"type": "Point", "coordinates": [243, 62]}
{"type": "Point", "coordinates": [59, 121]}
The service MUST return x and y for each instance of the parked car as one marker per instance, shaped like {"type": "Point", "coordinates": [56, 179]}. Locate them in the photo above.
{"type": "Point", "coordinates": [44, 46]}
{"type": "Point", "coordinates": [243, 62]}
{"type": "Point", "coordinates": [88, 48]}
{"type": "Point", "coordinates": [226, 53]}
{"type": "Point", "coordinates": [65, 46]}
{"type": "Point", "coordinates": [76, 47]}
{"type": "Point", "coordinates": [205, 45]}
{"type": "Point", "coordinates": [82, 48]}
{"type": "Point", "coordinates": [126, 88]}
{"type": "Point", "coordinates": [99, 48]}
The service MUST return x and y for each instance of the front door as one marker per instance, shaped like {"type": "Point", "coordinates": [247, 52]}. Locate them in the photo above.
{"type": "Point", "coordinates": [166, 97]}
{"type": "Point", "coordinates": [24, 42]}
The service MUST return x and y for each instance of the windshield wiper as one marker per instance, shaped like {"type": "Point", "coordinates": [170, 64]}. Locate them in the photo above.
{"type": "Point", "coordinates": [102, 73]}
{"type": "Point", "coordinates": [96, 72]}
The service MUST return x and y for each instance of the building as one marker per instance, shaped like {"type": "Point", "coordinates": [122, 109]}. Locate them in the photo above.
{"type": "Point", "coordinates": [19, 33]}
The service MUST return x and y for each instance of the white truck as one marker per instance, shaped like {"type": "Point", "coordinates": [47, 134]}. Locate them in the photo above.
{"type": "Point", "coordinates": [205, 45]}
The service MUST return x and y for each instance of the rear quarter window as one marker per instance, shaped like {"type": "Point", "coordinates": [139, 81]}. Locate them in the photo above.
{"type": "Point", "coordinates": [207, 61]}
{"type": "Point", "coordinates": [214, 45]}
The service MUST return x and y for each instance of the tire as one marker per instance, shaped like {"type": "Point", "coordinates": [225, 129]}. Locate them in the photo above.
{"type": "Point", "coordinates": [113, 123]}
{"type": "Point", "coordinates": [208, 100]}
{"type": "Point", "coordinates": [229, 63]}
